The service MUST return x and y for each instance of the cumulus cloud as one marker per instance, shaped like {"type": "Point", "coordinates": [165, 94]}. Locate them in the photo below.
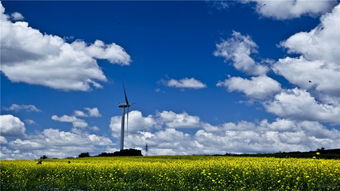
{"type": "Point", "coordinates": [318, 66]}
{"type": "Point", "coordinates": [307, 74]}
{"type": "Point", "coordinates": [137, 122]}
{"type": "Point", "coordinates": [240, 137]}
{"type": "Point", "coordinates": [50, 142]}
{"type": "Point", "coordinates": [17, 16]}
{"type": "Point", "coordinates": [75, 118]}
{"type": "Point", "coordinates": [315, 70]}
{"type": "Point", "coordinates": [178, 120]}
{"type": "Point", "coordinates": [55, 143]}
{"type": "Point", "coordinates": [89, 112]}
{"type": "Point", "coordinates": [188, 83]}
{"type": "Point", "coordinates": [17, 108]}
{"type": "Point", "coordinates": [11, 126]}
{"type": "Point", "coordinates": [238, 50]}
{"type": "Point", "coordinates": [163, 132]}
{"type": "Point", "coordinates": [280, 135]}
{"type": "Point", "coordinates": [257, 87]}
{"type": "Point", "coordinates": [167, 141]}
{"type": "Point", "coordinates": [29, 121]}
{"type": "Point", "coordinates": [320, 42]}
{"type": "Point", "coordinates": [331, 100]}
{"type": "Point", "coordinates": [300, 104]}
{"type": "Point", "coordinates": [288, 9]}
{"type": "Point", "coordinates": [165, 119]}
{"type": "Point", "coordinates": [95, 128]}
{"type": "Point", "coordinates": [79, 113]}
{"type": "Point", "coordinates": [33, 57]}
{"type": "Point", "coordinates": [93, 112]}
{"type": "Point", "coordinates": [3, 140]}
{"type": "Point", "coordinates": [76, 122]}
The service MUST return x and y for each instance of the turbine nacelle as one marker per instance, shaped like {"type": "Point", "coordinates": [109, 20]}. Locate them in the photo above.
{"type": "Point", "coordinates": [124, 105]}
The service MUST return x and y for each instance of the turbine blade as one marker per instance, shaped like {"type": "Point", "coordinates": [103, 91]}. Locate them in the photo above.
{"type": "Point", "coordinates": [126, 98]}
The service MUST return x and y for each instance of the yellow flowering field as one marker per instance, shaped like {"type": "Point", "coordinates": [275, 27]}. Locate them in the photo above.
{"type": "Point", "coordinates": [171, 173]}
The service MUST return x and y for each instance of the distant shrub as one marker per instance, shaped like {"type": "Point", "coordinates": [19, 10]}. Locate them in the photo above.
{"type": "Point", "coordinates": [125, 152]}
{"type": "Point", "coordinates": [43, 157]}
{"type": "Point", "coordinates": [84, 155]}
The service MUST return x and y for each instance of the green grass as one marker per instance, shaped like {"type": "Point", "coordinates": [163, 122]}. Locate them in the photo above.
{"type": "Point", "coordinates": [171, 173]}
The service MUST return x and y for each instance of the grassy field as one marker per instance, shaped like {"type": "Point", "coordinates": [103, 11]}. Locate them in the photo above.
{"type": "Point", "coordinates": [171, 173]}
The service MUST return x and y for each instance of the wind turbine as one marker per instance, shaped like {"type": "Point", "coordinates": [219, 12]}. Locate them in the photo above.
{"type": "Point", "coordinates": [125, 106]}
{"type": "Point", "coordinates": [146, 149]}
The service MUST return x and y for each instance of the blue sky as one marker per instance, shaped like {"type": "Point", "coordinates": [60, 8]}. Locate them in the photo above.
{"type": "Point", "coordinates": [164, 41]}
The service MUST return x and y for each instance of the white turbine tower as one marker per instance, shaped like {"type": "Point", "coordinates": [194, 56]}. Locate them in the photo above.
{"type": "Point", "coordinates": [125, 106]}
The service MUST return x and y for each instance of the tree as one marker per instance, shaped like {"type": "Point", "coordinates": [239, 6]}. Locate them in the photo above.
{"type": "Point", "coordinates": [43, 157]}
{"type": "Point", "coordinates": [84, 155]}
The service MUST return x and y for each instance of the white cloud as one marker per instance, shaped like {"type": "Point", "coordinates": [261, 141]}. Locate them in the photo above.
{"type": "Point", "coordinates": [288, 9]}
{"type": "Point", "coordinates": [299, 104]}
{"type": "Point", "coordinates": [76, 122]}
{"type": "Point", "coordinates": [17, 16]}
{"type": "Point", "coordinates": [99, 50]}
{"type": "Point", "coordinates": [30, 121]}
{"type": "Point", "coordinates": [11, 126]}
{"type": "Point", "coordinates": [163, 138]}
{"type": "Point", "coordinates": [318, 67]}
{"type": "Point", "coordinates": [3, 140]}
{"type": "Point", "coordinates": [257, 87]}
{"type": "Point", "coordinates": [89, 112]}
{"type": "Point", "coordinates": [95, 128]}
{"type": "Point", "coordinates": [280, 135]}
{"type": "Point", "coordinates": [167, 141]}
{"type": "Point", "coordinates": [137, 122]}
{"type": "Point", "coordinates": [319, 43]}
{"type": "Point", "coordinates": [16, 108]}
{"type": "Point", "coordinates": [310, 74]}
{"type": "Point", "coordinates": [55, 143]}
{"type": "Point", "coordinates": [316, 71]}
{"type": "Point", "coordinates": [93, 112]}
{"type": "Point", "coordinates": [189, 83]}
{"type": "Point", "coordinates": [33, 57]}
{"type": "Point", "coordinates": [178, 120]}
{"type": "Point", "coordinates": [240, 137]}
{"type": "Point", "coordinates": [238, 49]}
{"type": "Point", "coordinates": [168, 119]}
{"type": "Point", "coordinates": [79, 113]}
{"type": "Point", "coordinates": [331, 100]}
